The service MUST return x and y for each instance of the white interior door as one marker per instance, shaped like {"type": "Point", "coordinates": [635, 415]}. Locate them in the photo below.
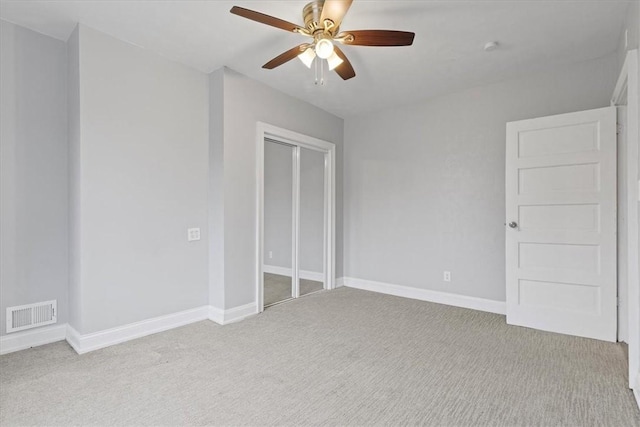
{"type": "Point", "coordinates": [561, 223]}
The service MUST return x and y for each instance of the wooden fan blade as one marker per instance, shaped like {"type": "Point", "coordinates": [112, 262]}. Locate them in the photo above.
{"type": "Point", "coordinates": [335, 10]}
{"type": "Point", "coordinates": [285, 57]}
{"type": "Point", "coordinates": [344, 70]}
{"type": "Point", "coordinates": [377, 38]}
{"type": "Point", "coordinates": [264, 19]}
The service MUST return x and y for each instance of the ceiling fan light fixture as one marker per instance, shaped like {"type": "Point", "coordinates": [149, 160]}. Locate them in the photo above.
{"type": "Point", "coordinates": [324, 48]}
{"type": "Point", "coordinates": [334, 60]}
{"type": "Point", "coordinates": [307, 57]}
{"type": "Point", "coordinates": [322, 20]}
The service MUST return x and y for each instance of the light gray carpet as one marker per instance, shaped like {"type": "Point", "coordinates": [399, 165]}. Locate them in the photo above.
{"type": "Point", "coordinates": [343, 357]}
{"type": "Point", "coordinates": [278, 288]}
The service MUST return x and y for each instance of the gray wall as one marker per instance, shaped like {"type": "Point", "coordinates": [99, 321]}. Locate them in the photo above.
{"type": "Point", "coordinates": [143, 164]}
{"type": "Point", "coordinates": [34, 179]}
{"type": "Point", "coordinates": [216, 189]}
{"type": "Point", "coordinates": [245, 102]}
{"type": "Point", "coordinates": [73, 131]}
{"type": "Point", "coordinates": [424, 185]}
{"type": "Point", "coordinates": [632, 27]}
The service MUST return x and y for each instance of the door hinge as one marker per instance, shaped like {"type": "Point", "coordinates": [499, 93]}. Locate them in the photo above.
{"type": "Point", "coordinates": [619, 128]}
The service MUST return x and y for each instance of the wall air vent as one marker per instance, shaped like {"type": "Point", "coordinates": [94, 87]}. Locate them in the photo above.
{"type": "Point", "coordinates": [29, 316]}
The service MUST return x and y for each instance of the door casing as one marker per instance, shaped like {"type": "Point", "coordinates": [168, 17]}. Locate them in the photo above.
{"type": "Point", "coordinates": [627, 93]}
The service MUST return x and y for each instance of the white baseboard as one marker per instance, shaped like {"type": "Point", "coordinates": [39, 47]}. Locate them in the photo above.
{"type": "Point", "coordinates": [236, 314]}
{"type": "Point", "coordinates": [285, 271]}
{"type": "Point", "coordinates": [274, 269]}
{"type": "Point", "coordinates": [339, 282]}
{"type": "Point", "coordinates": [73, 338]}
{"type": "Point", "coordinates": [101, 339]}
{"type": "Point", "coordinates": [456, 300]}
{"type": "Point", "coordinates": [94, 341]}
{"type": "Point", "coordinates": [32, 338]}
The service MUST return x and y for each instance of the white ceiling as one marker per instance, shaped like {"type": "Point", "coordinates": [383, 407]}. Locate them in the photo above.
{"type": "Point", "coordinates": [447, 54]}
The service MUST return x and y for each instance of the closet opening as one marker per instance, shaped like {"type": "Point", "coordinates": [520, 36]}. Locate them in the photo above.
{"type": "Point", "coordinates": [296, 215]}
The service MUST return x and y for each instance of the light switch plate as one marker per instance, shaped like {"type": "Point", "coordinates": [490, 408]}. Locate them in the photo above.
{"type": "Point", "coordinates": [193, 234]}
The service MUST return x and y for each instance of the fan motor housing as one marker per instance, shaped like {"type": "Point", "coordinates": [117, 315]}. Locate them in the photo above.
{"type": "Point", "coordinates": [311, 15]}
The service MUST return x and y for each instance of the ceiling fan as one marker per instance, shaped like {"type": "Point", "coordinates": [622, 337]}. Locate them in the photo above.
{"type": "Point", "coordinates": [322, 19]}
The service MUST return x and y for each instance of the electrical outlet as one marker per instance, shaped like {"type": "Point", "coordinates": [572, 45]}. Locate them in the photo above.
{"type": "Point", "coordinates": [447, 276]}
{"type": "Point", "coordinates": [193, 234]}
{"type": "Point", "coordinates": [270, 254]}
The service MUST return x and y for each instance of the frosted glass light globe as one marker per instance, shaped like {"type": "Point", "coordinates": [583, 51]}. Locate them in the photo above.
{"type": "Point", "coordinates": [334, 60]}
{"type": "Point", "coordinates": [307, 57]}
{"type": "Point", "coordinates": [324, 48]}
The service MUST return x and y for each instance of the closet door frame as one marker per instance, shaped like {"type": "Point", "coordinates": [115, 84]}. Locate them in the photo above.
{"type": "Point", "coordinates": [298, 141]}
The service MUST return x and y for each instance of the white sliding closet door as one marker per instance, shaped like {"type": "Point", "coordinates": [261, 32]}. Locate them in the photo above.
{"type": "Point", "coordinates": [279, 173]}
{"type": "Point", "coordinates": [311, 247]}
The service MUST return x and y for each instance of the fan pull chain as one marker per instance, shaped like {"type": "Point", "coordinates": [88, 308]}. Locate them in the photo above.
{"type": "Point", "coordinates": [316, 69]}
{"type": "Point", "coordinates": [319, 72]}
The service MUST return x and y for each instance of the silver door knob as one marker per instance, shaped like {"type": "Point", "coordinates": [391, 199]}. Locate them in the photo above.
{"type": "Point", "coordinates": [513, 224]}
